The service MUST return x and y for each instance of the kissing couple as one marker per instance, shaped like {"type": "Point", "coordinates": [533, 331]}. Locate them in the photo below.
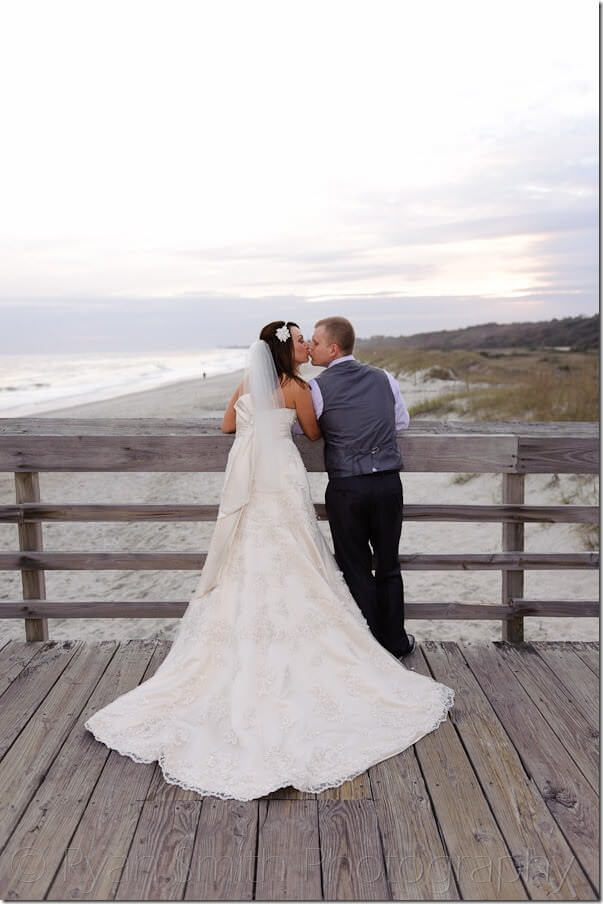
{"type": "Point", "coordinates": [287, 666]}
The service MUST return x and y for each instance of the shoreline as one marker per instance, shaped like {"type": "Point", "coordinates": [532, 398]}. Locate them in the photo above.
{"type": "Point", "coordinates": [34, 385]}
{"type": "Point", "coordinates": [178, 399]}
{"type": "Point", "coordinates": [196, 397]}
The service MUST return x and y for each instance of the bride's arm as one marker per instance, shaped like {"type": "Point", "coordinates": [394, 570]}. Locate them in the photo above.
{"type": "Point", "coordinates": [229, 421]}
{"type": "Point", "coordinates": [305, 411]}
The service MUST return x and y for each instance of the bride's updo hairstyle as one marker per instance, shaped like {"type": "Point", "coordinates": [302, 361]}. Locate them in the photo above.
{"type": "Point", "coordinates": [282, 352]}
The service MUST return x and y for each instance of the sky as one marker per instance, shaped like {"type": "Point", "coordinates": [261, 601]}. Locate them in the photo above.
{"type": "Point", "coordinates": [178, 173]}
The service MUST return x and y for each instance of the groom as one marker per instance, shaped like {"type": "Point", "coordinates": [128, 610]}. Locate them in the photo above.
{"type": "Point", "coordinates": [360, 409]}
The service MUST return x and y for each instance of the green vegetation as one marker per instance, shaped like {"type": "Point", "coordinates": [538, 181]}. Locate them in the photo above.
{"type": "Point", "coordinates": [590, 535]}
{"type": "Point", "coordinates": [439, 373]}
{"type": "Point", "coordinates": [578, 489]}
{"type": "Point", "coordinates": [576, 333]}
{"type": "Point", "coordinates": [461, 479]}
{"type": "Point", "coordinates": [509, 384]}
{"type": "Point", "coordinates": [443, 404]}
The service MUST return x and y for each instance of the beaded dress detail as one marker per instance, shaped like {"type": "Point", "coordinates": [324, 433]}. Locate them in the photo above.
{"type": "Point", "coordinates": [274, 677]}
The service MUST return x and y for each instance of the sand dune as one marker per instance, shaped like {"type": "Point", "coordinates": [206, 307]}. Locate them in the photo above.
{"type": "Point", "coordinates": [207, 398]}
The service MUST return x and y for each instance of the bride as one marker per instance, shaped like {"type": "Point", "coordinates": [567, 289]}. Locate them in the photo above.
{"type": "Point", "coordinates": [274, 677]}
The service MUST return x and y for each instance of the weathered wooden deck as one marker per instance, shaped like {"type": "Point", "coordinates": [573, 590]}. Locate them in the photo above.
{"type": "Point", "coordinates": [500, 803]}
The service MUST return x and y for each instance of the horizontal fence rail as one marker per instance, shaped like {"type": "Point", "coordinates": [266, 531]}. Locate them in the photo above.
{"type": "Point", "coordinates": [447, 453]}
{"type": "Point", "coordinates": [176, 608]}
{"type": "Point", "coordinates": [32, 446]}
{"type": "Point", "coordinates": [193, 561]}
{"type": "Point", "coordinates": [30, 512]}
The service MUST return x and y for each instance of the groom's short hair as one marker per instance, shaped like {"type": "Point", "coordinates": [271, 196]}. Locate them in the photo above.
{"type": "Point", "coordinates": [339, 330]}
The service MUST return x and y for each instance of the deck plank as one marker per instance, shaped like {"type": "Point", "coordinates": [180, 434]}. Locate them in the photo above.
{"type": "Point", "coordinates": [538, 850]}
{"type": "Point", "coordinates": [356, 789]}
{"type": "Point", "coordinates": [31, 755]}
{"type": "Point", "coordinates": [577, 677]}
{"type": "Point", "coordinates": [158, 862]}
{"type": "Point", "coordinates": [102, 817]}
{"type": "Point", "coordinates": [82, 822]}
{"type": "Point", "coordinates": [288, 793]}
{"type": "Point", "coordinates": [30, 686]}
{"type": "Point", "coordinates": [588, 651]}
{"type": "Point", "coordinates": [472, 837]}
{"type": "Point", "coordinates": [14, 656]}
{"type": "Point", "coordinates": [288, 859]}
{"type": "Point", "coordinates": [46, 827]}
{"type": "Point", "coordinates": [555, 703]}
{"type": "Point", "coordinates": [568, 795]}
{"type": "Point", "coordinates": [416, 860]}
{"type": "Point", "coordinates": [223, 864]}
{"type": "Point", "coordinates": [353, 867]}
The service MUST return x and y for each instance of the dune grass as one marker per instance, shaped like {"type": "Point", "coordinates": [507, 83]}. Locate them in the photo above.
{"type": "Point", "coordinates": [526, 384]}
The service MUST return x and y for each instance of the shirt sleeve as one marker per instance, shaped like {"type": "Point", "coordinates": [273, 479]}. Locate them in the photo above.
{"type": "Point", "coordinates": [317, 404]}
{"type": "Point", "coordinates": [317, 399]}
{"type": "Point", "coordinates": [402, 415]}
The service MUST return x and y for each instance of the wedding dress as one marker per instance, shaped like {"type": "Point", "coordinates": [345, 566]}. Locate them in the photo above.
{"type": "Point", "coordinates": [274, 677]}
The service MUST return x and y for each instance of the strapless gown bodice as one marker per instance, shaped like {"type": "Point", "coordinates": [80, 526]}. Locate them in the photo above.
{"type": "Point", "coordinates": [284, 418]}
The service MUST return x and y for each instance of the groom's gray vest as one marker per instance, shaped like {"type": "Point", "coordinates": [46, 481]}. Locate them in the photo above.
{"type": "Point", "coordinates": [358, 421]}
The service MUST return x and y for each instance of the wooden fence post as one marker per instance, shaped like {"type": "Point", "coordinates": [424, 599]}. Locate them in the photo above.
{"type": "Point", "coordinates": [513, 493]}
{"type": "Point", "coordinates": [27, 489]}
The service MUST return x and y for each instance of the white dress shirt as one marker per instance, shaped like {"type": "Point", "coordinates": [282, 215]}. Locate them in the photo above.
{"type": "Point", "coordinates": [401, 411]}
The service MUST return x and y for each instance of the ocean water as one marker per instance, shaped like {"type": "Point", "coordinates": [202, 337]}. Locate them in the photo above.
{"type": "Point", "coordinates": [32, 384]}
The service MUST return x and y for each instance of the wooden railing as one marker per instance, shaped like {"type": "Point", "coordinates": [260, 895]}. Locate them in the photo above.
{"type": "Point", "coordinates": [31, 446]}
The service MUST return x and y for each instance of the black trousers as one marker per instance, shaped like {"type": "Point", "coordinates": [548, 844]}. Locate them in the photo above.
{"type": "Point", "coordinates": [365, 516]}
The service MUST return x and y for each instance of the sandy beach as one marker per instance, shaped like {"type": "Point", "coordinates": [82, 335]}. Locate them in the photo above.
{"type": "Point", "coordinates": [208, 398]}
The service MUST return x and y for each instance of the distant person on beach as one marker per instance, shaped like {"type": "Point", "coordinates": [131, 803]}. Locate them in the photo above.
{"type": "Point", "coordinates": [360, 409]}
{"type": "Point", "coordinates": [275, 677]}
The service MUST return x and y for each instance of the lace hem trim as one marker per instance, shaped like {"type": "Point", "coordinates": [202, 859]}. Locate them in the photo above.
{"type": "Point", "coordinates": [446, 700]}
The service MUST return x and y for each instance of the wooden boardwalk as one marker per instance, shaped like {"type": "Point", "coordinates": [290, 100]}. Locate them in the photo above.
{"type": "Point", "coordinates": [500, 803]}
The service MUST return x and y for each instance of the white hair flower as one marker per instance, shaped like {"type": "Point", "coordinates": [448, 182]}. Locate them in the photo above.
{"type": "Point", "coordinates": [282, 333]}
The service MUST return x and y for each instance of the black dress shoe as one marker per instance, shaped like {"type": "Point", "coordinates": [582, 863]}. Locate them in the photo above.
{"type": "Point", "coordinates": [411, 648]}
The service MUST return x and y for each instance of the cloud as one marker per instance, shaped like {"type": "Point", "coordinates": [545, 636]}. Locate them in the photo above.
{"type": "Point", "coordinates": [168, 324]}
{"type": "Point", "coordinates": [446, 169]}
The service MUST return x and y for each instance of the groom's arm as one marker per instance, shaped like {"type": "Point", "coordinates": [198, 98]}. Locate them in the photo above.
{"type": "Point", "coordinates": [401, 411]}
{"type": "Point", "coordinates": [317, 399]}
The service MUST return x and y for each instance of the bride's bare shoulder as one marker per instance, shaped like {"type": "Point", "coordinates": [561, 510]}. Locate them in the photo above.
{"type": "Point", "coordinates": [293, 390]}
{"type": "Point", "coordinates": [298, 385]}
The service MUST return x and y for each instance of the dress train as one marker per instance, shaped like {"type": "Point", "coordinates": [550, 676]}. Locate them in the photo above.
{"type": "Point", "coordinates": [274, 677]}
